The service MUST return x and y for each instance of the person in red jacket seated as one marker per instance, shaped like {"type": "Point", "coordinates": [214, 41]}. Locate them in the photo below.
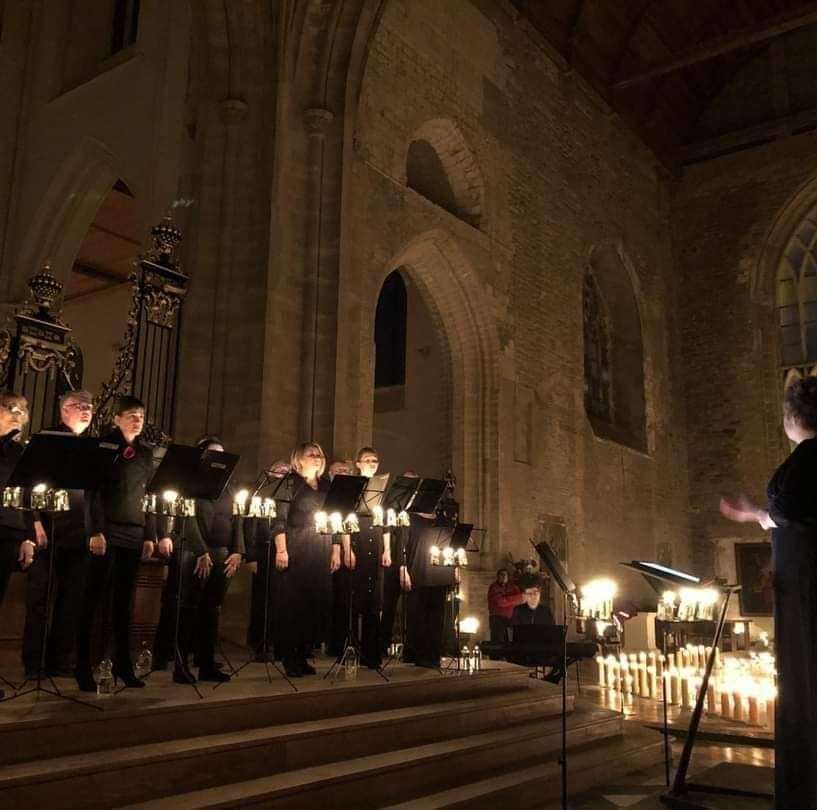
{"type": "Point", "coordinates": [503, 597]}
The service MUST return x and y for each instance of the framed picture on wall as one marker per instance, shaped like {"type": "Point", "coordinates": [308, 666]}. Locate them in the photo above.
{"type": "Point", "coordinates": [753, 563]}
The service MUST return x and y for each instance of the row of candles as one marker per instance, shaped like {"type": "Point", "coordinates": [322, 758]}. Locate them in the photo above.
{"type": "Point", "coordinates": [41, 499]}
{"type": "Point", "coordinates": [688, 605]}
{"type": "Point", "coordinates": [740, 689]}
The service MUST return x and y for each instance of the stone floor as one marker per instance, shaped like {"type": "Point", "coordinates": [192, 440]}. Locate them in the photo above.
{"type": "Point", "coordinates": [726, 765]}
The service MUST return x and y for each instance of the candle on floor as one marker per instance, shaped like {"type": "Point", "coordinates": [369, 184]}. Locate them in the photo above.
{"type": "Point", "coordinates": [652, 674]}
{"type": "Point", "coordinates": [754, 710]}
{"type": "Point", "coordinates": [602, 672]}
{"type": "Point", "coordinates": [726, 706]}
{"type": "Point", "coordinates": [737, 707]}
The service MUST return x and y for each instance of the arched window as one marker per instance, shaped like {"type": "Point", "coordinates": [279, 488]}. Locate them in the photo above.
{"type": "Point", "coordinates": [797, 300]}
{"type": "Point", "coordinates": [442, 168]}
{"type": "Point", "coordinates": [613, 351]}
{"type": "Point", "coordinates": [390, 333]}
{"type": "Point", "coordinates": [596, 353]}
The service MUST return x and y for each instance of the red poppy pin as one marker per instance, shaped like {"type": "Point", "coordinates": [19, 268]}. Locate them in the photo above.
{"type": "Point", "coordinates": [128, 453]}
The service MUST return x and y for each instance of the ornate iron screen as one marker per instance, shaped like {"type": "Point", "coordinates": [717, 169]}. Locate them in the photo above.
{"type": "Point", "coordinates": [38, 357]}
{"type": "Point", "coordinates": [146, 366]}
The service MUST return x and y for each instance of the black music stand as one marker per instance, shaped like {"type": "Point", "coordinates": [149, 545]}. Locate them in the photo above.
{"type": "Point", "coordinates": [191, 472]}
{"type": "Point", "coordinates": [344, 496]}
{"type": "Point", "coordinates": [568, 588]}
{"type": "Point", "coordinates": [262, 649]}
{"type": "Point", "coordinates": [60, 461]}
{"type": "Point", "coordinates": [677, 796]}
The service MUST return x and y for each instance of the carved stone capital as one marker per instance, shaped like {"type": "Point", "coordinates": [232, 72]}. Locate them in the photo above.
{"type": "Point", "coordinates": [317, 121]}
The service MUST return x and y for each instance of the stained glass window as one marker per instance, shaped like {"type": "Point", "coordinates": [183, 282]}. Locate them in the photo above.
{"type": "Point", "coordinates": [596, 353]}
{"type": "Point", "coordinates": [797, 300]}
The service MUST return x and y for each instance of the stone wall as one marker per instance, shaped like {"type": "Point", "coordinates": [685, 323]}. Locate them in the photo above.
{"type": "Point", "coordinates": [561, 175]}
{"type": "Point", "coordinates": [732, 217]}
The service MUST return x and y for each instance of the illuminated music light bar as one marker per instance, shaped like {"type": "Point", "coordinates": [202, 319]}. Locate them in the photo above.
{"type": "Point", "coordinates": [673, 572]}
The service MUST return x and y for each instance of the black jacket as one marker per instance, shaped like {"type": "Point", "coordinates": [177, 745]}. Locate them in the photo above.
{"type": "Point", "coordinates": [522, 614]}
{"type": "Point", "coordinates": [116, 509]}
{"type": "Point", "coordinates": [422, 535]}
{"type": "Point", "coordinates": [15, 525]}
{"type": "Point", "coordinates": [215, 527]}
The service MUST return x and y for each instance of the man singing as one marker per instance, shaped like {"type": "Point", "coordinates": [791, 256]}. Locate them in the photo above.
{"type": "Point", "coordinates": [68, 535]}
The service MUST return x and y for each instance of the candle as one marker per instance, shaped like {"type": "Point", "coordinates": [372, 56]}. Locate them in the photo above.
{"type": "Point", "coordinates": [628, 685]}
{"type": "Point", "coordinates": [653, 682]}
{"type": "Point", "coordinates": [685, 692]}
{"type": "Point", "coordinates": [754, 710]}
{"type": "Point", "coordinates": [602, 673]}
{"type": "Point", "coordinates": [718, 657]}
{"type": "Point", "coordinates": [711, 701]}
{"type": "Point", "coordinates": [726, 705]}
{"type": "Point", "coordinates": [645, 680]}
{"type": "Point", "coordinates": [737, 707]}
{"type": "Point", "coordinates": [660, 665]}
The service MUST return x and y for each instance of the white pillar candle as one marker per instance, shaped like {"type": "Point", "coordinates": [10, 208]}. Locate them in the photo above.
{"type": "Point", "coordinates": [660, 665]}
{"type": "Point", "coordinates": [645, 680]}
{"type": "Point", "coordinates": [754, 710]}
{"type": "Point", "coordinates": [737, 707]}
{"type": "Point", "coordinates": [652, 675]}
{"type": "Point", "coordinates": [602, 672]}
{"type": "Point", "coordinates": [726, 706]}
{"type": "Point", "coordinates": [771, 718]}
{"type": "Point", "coordinates": [717, 657]}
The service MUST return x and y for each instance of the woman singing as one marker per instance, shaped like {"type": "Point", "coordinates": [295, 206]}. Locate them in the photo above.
{"type": "Point", "coordinates": [122, 535]}
{"type": "Point", "coordinates": [304, 560]}
{"type": "Point", "coordinates": [792, 516]}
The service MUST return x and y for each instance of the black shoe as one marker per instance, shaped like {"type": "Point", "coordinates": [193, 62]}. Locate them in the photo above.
{"type": "Point", "coordinates": [128, 677]}
{"type": "Point", "coordinates": [31, 674]}
{"type": "Point", "coordinates": [160, 664]}
{"type": "Point", "coordinates": [371, 663]}
{"type": "Point", "coordinates": [293, 668]}
{"type": "Point", "coordinates": [213, 674]}
{"type": "Point", "coordinates": [307, 668]}
{"type": "Point", "coordinates": [85, 679]}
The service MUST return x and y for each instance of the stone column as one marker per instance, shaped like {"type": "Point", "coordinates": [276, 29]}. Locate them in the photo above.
{"type": "Point", "coordinates": [318, 361]}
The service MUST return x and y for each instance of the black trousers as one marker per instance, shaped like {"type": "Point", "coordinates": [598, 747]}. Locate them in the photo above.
{"type": "Point", "coordinates": [116, 572]}
{"type": "Point", "coordinates": [69, 571]}
{"type": "Point", "coordinates": [259, 603]}
{"type": "Point", "coordinates": [213, 591]}
{"type": "Point", "coordinates": [424, 634]}
{"type": "Point", "coordinates": [499, 628]}
{"type": "Point", "coordinates": [339, 623]}
{"type": "Point", "coordinates": [391, 596]}
{"type": "Point", "coordinates": [9, 550]}
{"type": "Point", "coordinates": [165, 644]}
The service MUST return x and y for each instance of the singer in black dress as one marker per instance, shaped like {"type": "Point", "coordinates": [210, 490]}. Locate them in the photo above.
{"type": "Point", "coordinates": [304, 561]}
{"type": "Point", "coordinates": [792, 517]}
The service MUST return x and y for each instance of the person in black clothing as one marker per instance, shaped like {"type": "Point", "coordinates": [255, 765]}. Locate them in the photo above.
{"type": "Point", "coordinates": [370, 553]}
{"type": "Point", "coordinates": [121, 536]}
{"type": "Point", "coordinates": [532, 610]}
{"type": "Point", "coordinates": [304, 561]}
{"type": "Point", "coordinates": [791, 514]}
{"type": "Point", "coordinates": [69, 545]}
{"type": "Point", "coordinates": [211, 555]}
{"type": "Point", "coordinates": [428, 587]}
{"type": "Point", "coordinates": [17, 531]}
{"type": "Point", "coordinates": [342, 578]}
{"type": "Point", "coordinates": [258, 541]}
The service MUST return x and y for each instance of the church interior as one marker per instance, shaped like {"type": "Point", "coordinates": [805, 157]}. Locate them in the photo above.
{"type": "Point", "coordinates": [557, 256]}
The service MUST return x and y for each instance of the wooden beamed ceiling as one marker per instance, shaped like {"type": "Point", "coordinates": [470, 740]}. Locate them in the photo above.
{"type": "Point", "coordinates": [665, 66]}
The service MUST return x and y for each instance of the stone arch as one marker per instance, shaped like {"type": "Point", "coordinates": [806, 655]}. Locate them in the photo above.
{"type": "Point", "coordinates": [69, 206]}
{"type": "Point", "coordinates": [447, 284]}
{"type": "Point", "coordinates": [618, 287]}
{"type": "Point", "coordinates": [442, 167]}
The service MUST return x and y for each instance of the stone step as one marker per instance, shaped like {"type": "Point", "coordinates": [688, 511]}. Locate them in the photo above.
{"type": "Point", "coordinates": [539, 784]}
{"type": "Point", "coordinates": [158, 769]}
{"type": "Point", "coordinates": [377, 779]}
{"type": "Point", "coordinates": [85, 731]}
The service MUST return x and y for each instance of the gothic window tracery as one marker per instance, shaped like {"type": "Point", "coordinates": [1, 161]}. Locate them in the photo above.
{"type": "Point", "coordinates": [596, 352]}
{"type": "Point", "coordinates": [797, 301]}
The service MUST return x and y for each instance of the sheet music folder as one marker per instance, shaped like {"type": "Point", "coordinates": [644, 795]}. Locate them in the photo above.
{"type": "Point", "coordinates": [344, 493]}
{"type": "Point", "coordinates": [64, 461]}
{"type": "Point", "coordinates": [681, 579]}
{"type": "Point", "coordinates": [373, 494]}
{"type": "Point", "coordinates": [193, 472]}
{"type": "Point", "coordinates": [554, 566]}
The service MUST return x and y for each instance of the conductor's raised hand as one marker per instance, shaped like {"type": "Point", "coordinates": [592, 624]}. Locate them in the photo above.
{"type": "Point", "coordinates": [740, 510]}
{"type": "Point", "coordinates": [98, 545]}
